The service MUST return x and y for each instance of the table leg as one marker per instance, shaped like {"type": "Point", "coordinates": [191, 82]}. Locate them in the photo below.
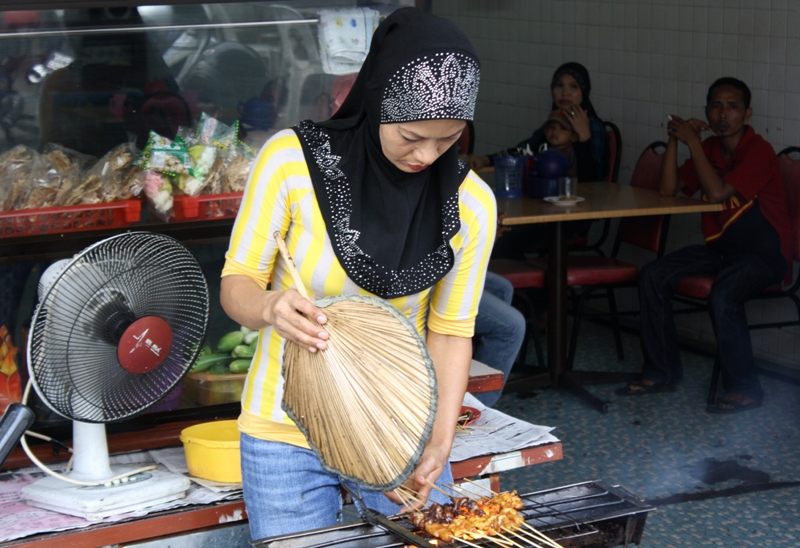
{"type": "Point", "coordinates": [556, 376]}
{"type": "Point", "coordinates": [557, 320]}
{"type": "Point", "coordinates": [556, 302]}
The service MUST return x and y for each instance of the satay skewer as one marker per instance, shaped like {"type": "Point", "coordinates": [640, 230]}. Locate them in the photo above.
{"type": "Point", "coordinates": [481, 486]}
{"type": "Point", "coordinates": [502, 540]}
{"type": "Point", "coordinates": [442, 491]}
{"type": "Point", "coordinates": [407, 495]}
{"type": "Point", "coordinates": [463, 491]}
{"type": "Point", "coordinates": [541, 536]}
{"type": "Point", "coordinates": [523, 536]}
{"type": "Point", "coordinates": [468, 543]}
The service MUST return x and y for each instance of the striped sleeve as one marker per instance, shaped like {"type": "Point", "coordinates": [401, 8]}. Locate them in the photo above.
{"type": "Point", "coordinates": [455, 299]}
{"type": "Point", "coordinates": [278, 178]}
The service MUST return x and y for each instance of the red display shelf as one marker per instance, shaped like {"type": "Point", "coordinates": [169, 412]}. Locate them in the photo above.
{"type": "Point", "coordinates": [206, 207]}
{"type": "Point", "coordinates": [57, 220]}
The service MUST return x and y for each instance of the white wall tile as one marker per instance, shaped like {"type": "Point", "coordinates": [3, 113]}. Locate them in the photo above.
{"type": "Point", "coordinates": [777, 50]}
{"type": "Point", "coordinates": [761, 22]}
{"type": "Point", "coordinates": [778, 22]}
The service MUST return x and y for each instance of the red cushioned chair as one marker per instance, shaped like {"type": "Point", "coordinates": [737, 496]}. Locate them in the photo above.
{"type": "Point", "coordinates": [614, 151]}
{"type": "Point", "coordinates": [588, 274]}
{"type": "Point", "coordinates": [524, 277]}
{"type": "Point", "coordinates": [612, 173]}
{"type": "Point", "coordinates": [694, 290]}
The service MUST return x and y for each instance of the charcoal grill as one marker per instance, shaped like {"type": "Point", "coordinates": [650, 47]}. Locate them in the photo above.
{"type": "Point", "coordinates": [589, 514]}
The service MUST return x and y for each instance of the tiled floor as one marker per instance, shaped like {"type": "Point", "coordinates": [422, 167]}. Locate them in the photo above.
{"type": "Point", "coordinates": [715, 480]}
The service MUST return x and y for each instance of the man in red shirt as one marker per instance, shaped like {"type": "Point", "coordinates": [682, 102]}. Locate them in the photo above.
{"type": "Point", "coordinates": [747, 245]}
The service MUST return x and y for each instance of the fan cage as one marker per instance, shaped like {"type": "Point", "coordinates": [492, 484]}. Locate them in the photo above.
{"type": "Point", "coordinates": [72, 353]}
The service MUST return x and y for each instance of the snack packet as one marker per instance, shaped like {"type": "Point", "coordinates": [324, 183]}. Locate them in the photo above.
{"type": "Point", "coordinates": [21, 171]}
{"type": "Point", "coordinates": [167, 157]}
{"type": "Point", "coordinates": [158, 190]}
{"type": "Point", "coordinates": [111, 176]}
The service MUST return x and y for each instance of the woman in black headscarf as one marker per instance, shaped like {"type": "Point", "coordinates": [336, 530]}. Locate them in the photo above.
{"type": "Point", "coordinates": [375, 202]}
{"type": "Point", "coordinates": [570, 88]}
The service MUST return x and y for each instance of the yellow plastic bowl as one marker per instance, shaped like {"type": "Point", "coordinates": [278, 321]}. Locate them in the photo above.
{"type": "Point", "coordinates": [212, 451]}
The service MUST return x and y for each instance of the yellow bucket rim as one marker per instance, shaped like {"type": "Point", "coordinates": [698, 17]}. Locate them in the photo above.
{"type": "Point", "coordinates": [203, 434]}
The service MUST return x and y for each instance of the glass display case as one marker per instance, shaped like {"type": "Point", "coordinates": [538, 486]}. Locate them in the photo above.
{"type": "Point", "coordinates": [81, 83]}
{"type": "Point", "coordinates": [90, 78]}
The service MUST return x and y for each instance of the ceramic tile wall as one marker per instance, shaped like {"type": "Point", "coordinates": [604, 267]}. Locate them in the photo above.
{"type": "Point", "coordinates": [647, 59]}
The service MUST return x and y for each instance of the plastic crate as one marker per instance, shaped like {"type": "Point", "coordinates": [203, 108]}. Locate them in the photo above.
{"type": "Point", "coordinates": [207, 206]}
{"type": "Point", "coordinates": [57, 220]}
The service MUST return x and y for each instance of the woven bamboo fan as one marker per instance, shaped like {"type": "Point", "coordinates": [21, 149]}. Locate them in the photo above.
{"type": "Point", "coordinates": [366, 404]}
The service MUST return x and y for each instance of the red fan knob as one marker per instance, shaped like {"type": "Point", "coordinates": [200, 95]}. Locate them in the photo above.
{"type": "Point", "coordinates": [144, 345]}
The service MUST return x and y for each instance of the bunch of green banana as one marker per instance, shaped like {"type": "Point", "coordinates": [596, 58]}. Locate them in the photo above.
{"type": "Point", "coordinates": [234, 354]}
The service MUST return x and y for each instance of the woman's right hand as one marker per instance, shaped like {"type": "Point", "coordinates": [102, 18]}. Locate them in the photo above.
{"type": "Point", "coordinates": [291, 315]}
{"type": "Point", "coordinates": [579, 118]}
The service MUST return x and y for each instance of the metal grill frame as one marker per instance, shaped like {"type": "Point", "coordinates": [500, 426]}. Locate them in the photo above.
{"type": "Point", "coordinates": [586, 514]}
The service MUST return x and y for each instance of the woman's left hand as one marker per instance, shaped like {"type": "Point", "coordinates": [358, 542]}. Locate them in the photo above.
{"type": "Point", "coordinates": [430, 467]}
{"type": "Point", "coordinates": [580, 122]}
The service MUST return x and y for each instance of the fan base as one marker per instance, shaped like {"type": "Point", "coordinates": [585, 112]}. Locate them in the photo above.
{"type": "Point", "coordinates": [94, 503]}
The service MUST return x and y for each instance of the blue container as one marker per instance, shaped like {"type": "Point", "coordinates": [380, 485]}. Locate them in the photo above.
{"type": "Point", "coordinates": [508, 176]}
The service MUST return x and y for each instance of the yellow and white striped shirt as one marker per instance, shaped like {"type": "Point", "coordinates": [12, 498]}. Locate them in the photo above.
{"type": "Point", "coordinates": [280, 197]}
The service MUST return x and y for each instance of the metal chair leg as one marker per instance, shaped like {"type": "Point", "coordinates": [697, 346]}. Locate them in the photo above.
{"type": "Point", "coordinates": [531, 331]}
{"type": "Point", "coordinates": [612, 307]}
{"type": "Point", "coordinates": [712, 390]}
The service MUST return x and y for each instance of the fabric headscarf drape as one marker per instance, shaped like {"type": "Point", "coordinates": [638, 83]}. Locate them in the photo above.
{"type": "Point", "coordinates": [581, 75]}
{"type": "Point", "coordinates": [389, 229]}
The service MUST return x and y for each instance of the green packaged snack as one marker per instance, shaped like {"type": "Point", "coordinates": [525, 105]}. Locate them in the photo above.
{"type": "Point", "coordinates": [161, 155]}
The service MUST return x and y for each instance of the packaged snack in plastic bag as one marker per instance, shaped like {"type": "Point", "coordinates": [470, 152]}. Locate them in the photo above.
{"type": "Point", "coordinates": [111, 176]}
{"type": "Point", "coordinates": [22, 170]}
{"type": "Point", "coordinates": [63, 172]}
{"type": "Point", "coordinates": [158, 190]}
{"type": "Point", "coordinates": [211, 131]}
{"type": "Point", "coordinates": [204, 157]}
{"type": "Point", "coordinates": [165, 156]}
{"type": "Point", "coordinates": [234, 177]}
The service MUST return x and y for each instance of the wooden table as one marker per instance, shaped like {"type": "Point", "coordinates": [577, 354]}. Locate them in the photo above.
{"type": "Point", "coordinates": [180, 521]}
{"type": "Point", "coordinates": [602, 200]}
{"type": "Point", "coordinates": [194, 518]}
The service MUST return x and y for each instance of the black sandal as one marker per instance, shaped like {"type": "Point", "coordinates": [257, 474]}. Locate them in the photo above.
{"type": "Point", "coordinates": [733, 406]}
{"type": "Point", "coordinates": [641, 388]}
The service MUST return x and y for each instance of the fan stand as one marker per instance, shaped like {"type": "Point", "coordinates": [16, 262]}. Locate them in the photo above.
{"type": "Point", "coordinates": [91, 464]}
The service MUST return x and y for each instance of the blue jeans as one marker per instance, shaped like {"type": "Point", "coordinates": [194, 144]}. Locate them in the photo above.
{"type": "Point", "coordinates": [286, 490]}
{"type": "Point", "coordinates": [499, 331]}
{"type": "Point", "coordinates": [738, 278]}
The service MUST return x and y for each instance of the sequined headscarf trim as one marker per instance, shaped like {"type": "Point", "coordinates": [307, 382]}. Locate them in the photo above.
{"type": "Point", "coordinates": [444, 85]}
{"type": "Point", "coordinates": [391, 230]}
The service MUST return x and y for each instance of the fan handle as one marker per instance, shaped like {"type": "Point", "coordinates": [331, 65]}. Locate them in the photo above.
{"type": "Point", "coordinates": [298, 281]}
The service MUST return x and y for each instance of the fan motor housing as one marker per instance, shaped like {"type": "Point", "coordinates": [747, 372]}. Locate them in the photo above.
{"type": "Point", "coordinates": [144, 345]}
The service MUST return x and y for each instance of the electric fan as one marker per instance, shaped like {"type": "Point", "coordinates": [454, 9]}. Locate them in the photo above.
{"type": "Point", "coordinates": [116, 328]}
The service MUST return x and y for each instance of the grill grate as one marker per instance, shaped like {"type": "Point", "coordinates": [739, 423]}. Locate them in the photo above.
{"type": "Point", "coordinates": [588, 514]}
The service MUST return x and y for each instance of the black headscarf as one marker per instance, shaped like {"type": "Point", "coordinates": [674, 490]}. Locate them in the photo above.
{"type": "Point", "coordinates": [581, 75]}
{"type": "Point", "coordinates": [390, 230]}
